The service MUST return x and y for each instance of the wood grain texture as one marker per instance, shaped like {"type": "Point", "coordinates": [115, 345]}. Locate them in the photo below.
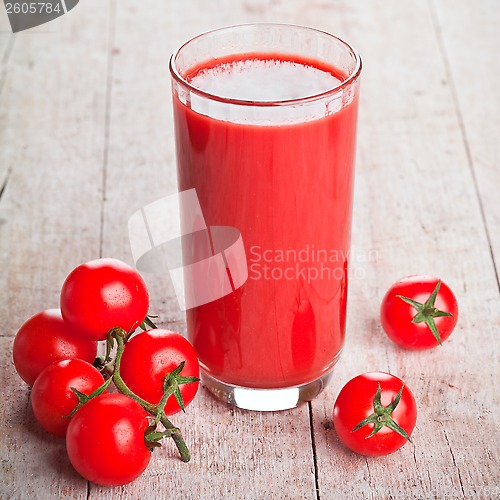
{"type": "Point", "coordinates": [86, 138]}
{"type": "Point", "coordinates": [51, 136]}
{"type": "Point", "coordinates": [52, 111]}
{"type": "Point", "coordinates": [33, 464]}
{"type": "Point", "coordinates": [467, 38]}
{"type": "Point", "coordinates": [424, 217]}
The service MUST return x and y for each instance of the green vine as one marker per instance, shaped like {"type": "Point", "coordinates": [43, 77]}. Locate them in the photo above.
{"type": "Point", "coordinates": [110, 367]}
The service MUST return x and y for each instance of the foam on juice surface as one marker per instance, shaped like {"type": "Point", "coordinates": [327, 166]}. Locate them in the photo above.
{"type": "Point", "coordinates": [264, 80]}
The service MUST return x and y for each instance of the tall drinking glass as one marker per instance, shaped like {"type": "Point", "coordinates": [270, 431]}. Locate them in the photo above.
{"type": "Point", "coordinates": [265, 128]}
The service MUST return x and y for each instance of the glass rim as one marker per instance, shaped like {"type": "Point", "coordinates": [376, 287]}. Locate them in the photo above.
{"type": "Point", "coordinates": [351, 78]}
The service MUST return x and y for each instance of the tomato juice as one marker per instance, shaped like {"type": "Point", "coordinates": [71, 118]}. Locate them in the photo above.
{"type": "Point", "coordinates": [283, 176]}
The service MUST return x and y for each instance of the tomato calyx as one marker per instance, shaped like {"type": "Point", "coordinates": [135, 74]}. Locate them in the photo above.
{"type": "Point", "coordinates": [148, 323]}
{"type": "Point", "coordinates": [382, 415]}
{"type": "Point", "coordinates": [153, 437]}
{"type": "Point", "coordinates": [171, 385]}
{"type": "Point", "coordinates": [84, 398]}
{"type": "Point", "coordinates": [426, 312]}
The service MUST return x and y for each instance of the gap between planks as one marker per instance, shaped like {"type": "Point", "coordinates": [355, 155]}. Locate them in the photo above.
{"type": "Point", "coordinates": [5, 61]}
{"type": "Point", "coordinates": [463, 131]}
{"type": "Point", "coordinates": [5, 181]}
{"type": "Point", "coordinates": [313, 445]}
{"type": "Point", "coordinates": [107, 116]}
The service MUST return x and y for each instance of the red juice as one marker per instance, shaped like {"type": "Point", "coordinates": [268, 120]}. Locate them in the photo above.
{"type": "Point", "coordinates": [286, 183]}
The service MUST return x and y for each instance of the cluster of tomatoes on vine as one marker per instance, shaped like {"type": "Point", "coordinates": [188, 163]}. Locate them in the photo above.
{"type": "Point", "coordinates": [375, 413]}
{"type": "Point", "coordinates": [155, 373]}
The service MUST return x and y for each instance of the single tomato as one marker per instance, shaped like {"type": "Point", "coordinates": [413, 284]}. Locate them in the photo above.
{"type": "Point", "coordinates": [419, 312]}
{"type": "Point", "coordinates": [150, 356]}
{"type": "Point", "coordinates": [105, 440]}
{"type": "Point", "coordinates": [52, 398]}
{"type": "Point", "coordinates": [375, 414]}
{"type": "Point", "coordinates": [103, 294]}
{"type": "Point", "coordinates": [44, 339]}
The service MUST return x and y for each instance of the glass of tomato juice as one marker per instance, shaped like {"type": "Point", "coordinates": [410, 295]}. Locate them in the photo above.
{"type": "Point", "coordinates": [265, 129]}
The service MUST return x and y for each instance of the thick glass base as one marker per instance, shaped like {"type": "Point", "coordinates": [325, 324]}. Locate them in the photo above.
{"type": "Point", "coordinates": [265, 399]}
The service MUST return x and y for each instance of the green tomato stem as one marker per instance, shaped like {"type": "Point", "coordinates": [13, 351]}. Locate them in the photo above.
{"type": "Point", "coordinates": [155, 410]}
{"type": "Point", "coordinates": [178, 439]}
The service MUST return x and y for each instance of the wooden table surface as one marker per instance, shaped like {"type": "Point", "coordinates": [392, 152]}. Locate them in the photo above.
{"type": "Point", "coordinates": [86, 138]}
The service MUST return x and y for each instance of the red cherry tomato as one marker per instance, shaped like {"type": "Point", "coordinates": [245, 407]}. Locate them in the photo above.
{"type": "Point", "coordinates": [103, 294]}
{"type": "Point", "coordinates": [105, 440]}
{"type": "Point", "coordinates": [375, 414]}
{"type": "Point", "coordinates": [419, 312]}
{"type": "Point", "coordinates": [51, 397]}
{"type": "Point", "coordinates": [149, 356]}
{"type": "Point", "coordinates": [46, 338]}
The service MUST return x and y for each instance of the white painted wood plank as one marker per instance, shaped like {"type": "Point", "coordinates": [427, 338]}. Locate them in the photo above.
{"type": "Point", "coordinates": [140, 161]}
{"type": "Point", "coordinates": [53, 109]}
{"type": "Point", "coordinates": [415, 212]}
{"type": "Point", "coordinates": [5, 29]}
{"type": "Point", "coordinates": [33, 463]}
{"type": "Point", "coordinates": [469, 37]}
{"type": "Point", "coordinates": [7, 41]}
{"type": "Point", "coordinates": [52, 136]}
{"type": "Point", "coordinates": [235, 454]}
